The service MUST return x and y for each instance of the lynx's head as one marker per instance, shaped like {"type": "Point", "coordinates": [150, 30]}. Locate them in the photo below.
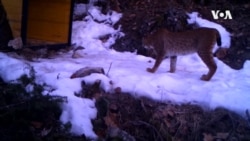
{"type": "Point", "coordinates": [146, 43]}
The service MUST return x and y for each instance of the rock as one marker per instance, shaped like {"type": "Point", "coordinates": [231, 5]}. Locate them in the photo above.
{"type": "Point", "coordinates": [16, 43]}
{"type": "Point", "coordinates": [78, 52]}
{"type": "Point", "coordinates": [87, 71]}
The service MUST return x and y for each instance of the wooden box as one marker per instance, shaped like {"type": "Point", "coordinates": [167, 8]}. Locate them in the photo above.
{"type": "Point", "coordinates": [40, 22]}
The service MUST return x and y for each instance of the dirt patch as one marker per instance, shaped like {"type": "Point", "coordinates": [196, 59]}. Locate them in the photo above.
{"type": "Point", "coordinates": [125, 117]}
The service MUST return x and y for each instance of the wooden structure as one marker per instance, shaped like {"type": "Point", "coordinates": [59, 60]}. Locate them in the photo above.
{"type": "Point", "coordinates": [40, 22]}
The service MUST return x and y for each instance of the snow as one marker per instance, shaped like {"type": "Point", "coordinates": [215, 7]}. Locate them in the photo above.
{"type": "Point", "coordinates": [9, 65]}
{"type": "Point", "coordinates": [80, 9]}
{"type": "Point", "coordinates": [86, 33]}
{"type": "Point", "coordinates": [228, 88]}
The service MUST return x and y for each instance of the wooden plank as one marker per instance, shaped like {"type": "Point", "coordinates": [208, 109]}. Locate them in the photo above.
{"type": "Point", "coordinates": [14, 15]}
{"type": "Point", "coordinates": [48, 31]}
{"type": "Point", "coordinates": [49, 12]}
{"type": "Point", "coordinates": [13, 9]}
{"type": "Point", "coordinates": [16, 28]}
{"type": "Point", "coordinates": [12, 3]}
{"type": "Point", "coordinates": [53, 1]}
{"type": "Point", "coordinates": [49, 20]}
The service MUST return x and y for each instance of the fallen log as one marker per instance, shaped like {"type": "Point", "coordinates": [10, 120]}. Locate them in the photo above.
{"type": "Point", "coordinates": [86, 71]}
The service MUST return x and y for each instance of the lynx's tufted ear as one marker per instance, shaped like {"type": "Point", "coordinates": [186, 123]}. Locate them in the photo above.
{"type": "Point", "coordinates": [220, 53]}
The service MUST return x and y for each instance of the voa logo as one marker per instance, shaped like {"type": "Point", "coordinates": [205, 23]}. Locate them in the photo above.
{"type": "Point", "coordinates": [221, 14]}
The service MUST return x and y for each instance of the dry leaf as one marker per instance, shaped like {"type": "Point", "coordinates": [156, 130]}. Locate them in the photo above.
{"type": "Point", "coordinates": [222, 135]}
{"type": "Point", "coordinates": [207, 137]}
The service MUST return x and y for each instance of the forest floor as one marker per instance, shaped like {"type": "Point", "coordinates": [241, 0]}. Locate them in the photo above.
{"type": "Point", "coordinates": [120, 116]}
{"type": "Point", "coordinates": [142, 119]}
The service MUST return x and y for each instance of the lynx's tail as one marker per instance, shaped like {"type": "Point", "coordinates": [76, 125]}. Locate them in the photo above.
{"type": "Point", "coordinates": [218, 38]}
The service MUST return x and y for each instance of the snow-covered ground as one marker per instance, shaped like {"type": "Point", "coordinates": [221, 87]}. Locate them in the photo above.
{"type": "Point", "coordinates": [228, 88]}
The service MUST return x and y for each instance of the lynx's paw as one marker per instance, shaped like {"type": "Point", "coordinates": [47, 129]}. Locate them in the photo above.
{"type": "Point", "coordinates": [171, 71]}
{"type": "Point", "coordinates": [150, 70]}
{"type": "Point", "coordinates": [205, 77]}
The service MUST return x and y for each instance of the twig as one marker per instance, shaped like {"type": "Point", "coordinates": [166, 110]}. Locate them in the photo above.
{"type": "Point", "coordinates": [177, 131]}
{"type": "Point", "coordinates": [149, 125]}
{"type": "Point", "coordinates": [64, 99]}
{"type": "Point", "coordinates": [109, 69]}
{"type": "Point", "coordinates": [235, 126]}
{"type": "Point", "coordinates": [12, 105]}
{"type": "Point", "coordinates": [248, 116]}
{"type": "Point", "coordinates": [58, 76]}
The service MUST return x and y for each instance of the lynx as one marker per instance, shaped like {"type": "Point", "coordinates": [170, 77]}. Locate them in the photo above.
{"type": "Point", "coordinates": [164, 43]}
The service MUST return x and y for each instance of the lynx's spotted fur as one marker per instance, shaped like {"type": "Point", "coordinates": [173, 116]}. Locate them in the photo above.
{"type": "Point", "coordinates": [171, 44]}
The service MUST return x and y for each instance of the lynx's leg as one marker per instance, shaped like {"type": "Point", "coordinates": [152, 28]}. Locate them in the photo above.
{"type": "Point", "coordinates": [156, 65]}
{"type": "Point", "coordinates": [173, 60]}
{"type": "Point", "coordinates": [208, 59]}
